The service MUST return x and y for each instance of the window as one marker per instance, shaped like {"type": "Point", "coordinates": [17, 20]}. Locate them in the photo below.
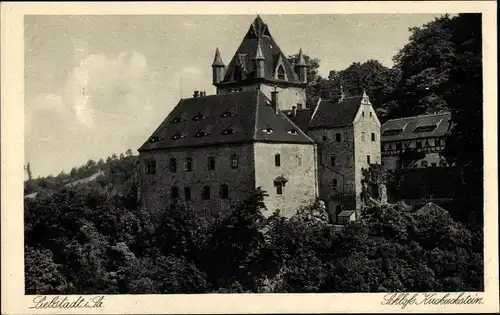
{"type": "Point", "coordinates": [433, 164]}
{"type": "Point", "coordinates": [279, 188]}
{"type": "Point", "coordinates": [281, 73]}
{"type": "Point", "coordinates": [188, 164]}
{"type": "Point", "coordinates": [363, 113]}
{"type": "Point", "coordinates": [201, 134]}
{"type": "Point", "coordinates": [211, 163]}
{"type": "Point", "coordinates": [224, 191]}
{"type": "Point", "coordinates": [206, 193]}
{"type": "Point", "coordinates": [173, 165]}
{"type": "Point", "coordinates": [234, 161]}
{"type": "Point", "coordinates": [177, 120]}
{"type": "Point", "coordinates": [198, 117]}
{"type": "Point", "coordinates": [373, 136]}
{"type": "Point", "coordinates": [344, 136]}
{"type": "Point", "coordinates": [187, 193]}
{"type": "Point", "coordinates": [299, 106]}
{"type": "Point", "coordinates": [228, 131]}
{"type": "Point", "coordinates": [392, 132]}
{"type": "Point", "coordinates": [437, 142]}
{"type": "Point", "coordinates": [277, 160]}
{"type": "Point", "coordinates": [424, 164]}
{"type": "Point", "coordinates": [398, 146]}
{"type": "Point", "coordinates": [268, 130]}
{"type": "Point", "coordinates": [332, 160]}
{"type": "Point", "coordinates": [151, 167]}
{"type": "Point", "coordinates": [292, 132]}
{"type": "Point", "coordinates": [324, 138]}
{"type": "Point", "coordinates": [368, 159]}
{"type": "Point", "coordinates": [443, 164]}
{"type": "Point", "coordinates": [370, 114]}
{"type": "Point", "coordinates": [174, 193]}
{"type": "Point", "coordinates": [335, 183]}
{"type": "Point", "coordinates": [338, 137]}
{"type": "Point", "coordinates": [418, 143]}
{"type": "Point", "coordinates": [363, 136]}
{"type": "Point", "coordinates": [177, 136]}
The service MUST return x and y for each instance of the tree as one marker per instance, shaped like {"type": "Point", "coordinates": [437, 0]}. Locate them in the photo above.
{"type": "Point", "coordinates": [128, 153]}
{"type": "Point", "coordinates": [27, 168]}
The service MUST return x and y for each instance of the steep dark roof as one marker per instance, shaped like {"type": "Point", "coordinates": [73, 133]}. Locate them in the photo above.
{"type": "Point", "coordinates": [207, 120]}
{"type": "Point", "coordinates": [335, 114]}
{"type": "Point", "coordinates": [258, 37]}
{"type": "Point", "coordinates": [425, 126]}
{"type": "Point", "coordinates": [301, 118]}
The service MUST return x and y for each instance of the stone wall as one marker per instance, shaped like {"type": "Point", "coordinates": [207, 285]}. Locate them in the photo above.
{"type": "Point", "coordinates": [297, 166]}
{"type": "Point", "coordinates": [156, 188]}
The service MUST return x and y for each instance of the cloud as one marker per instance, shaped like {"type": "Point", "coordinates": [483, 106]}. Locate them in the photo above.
{"type": "Point", "coordinates": [105, 106]}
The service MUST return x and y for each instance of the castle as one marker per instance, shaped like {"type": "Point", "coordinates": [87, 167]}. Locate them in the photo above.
{"type": "Point", "coordinates": [213, 150]}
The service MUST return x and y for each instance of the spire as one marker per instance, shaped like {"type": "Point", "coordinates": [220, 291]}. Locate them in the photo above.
{"type": "Point", "coordinates": [365, 99]}
{"type": "Point", "coordinates": [217, 59]}
{"type": "Point", "coordinates": [258, 54]}
{"type": "Point", "coordinates": [301, 61]}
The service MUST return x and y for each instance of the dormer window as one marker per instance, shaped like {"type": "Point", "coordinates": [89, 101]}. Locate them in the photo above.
{"type": "Point", "coordinates": [228, 131]}
{"type": "Point", "coordinates": [177, 136]}
{"type": "Point", "coordinates": [227, 114]}
{"type": "Point", "coordinates": [201, 134]}
{"type": "Point", "coordinates": [268, 131]}
{"type": "Point", "coordinates": [198, 117]}
{"type": "Point", "coordinates": [292, 132]}
{"type": "Point", "coordinates": [154, 139]}
{"type": "Point", "coordinates": [178, 120]}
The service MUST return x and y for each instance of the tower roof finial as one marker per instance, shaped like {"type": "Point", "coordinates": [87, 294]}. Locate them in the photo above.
{"type": "Point", "coordinates": [301, 61]}
{"type": "Point", "coordinates": [217, 59]}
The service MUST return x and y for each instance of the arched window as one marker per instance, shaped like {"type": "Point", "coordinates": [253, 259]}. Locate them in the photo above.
{"type": "Point", "coordinates": [281, 73]}
{"type": "Point", "coordinates": [424, 164]}
{"type": "Point", "coordinates": [443, 163]}
{"type": "Point", "coordinates": [224, 191]}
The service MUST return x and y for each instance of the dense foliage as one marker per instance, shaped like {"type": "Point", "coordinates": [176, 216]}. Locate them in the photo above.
{"type": "Point", "coordinates": [82, 240]}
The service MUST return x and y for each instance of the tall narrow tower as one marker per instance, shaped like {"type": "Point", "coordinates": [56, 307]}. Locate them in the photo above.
{"type": "Point", "coordinates": [259, 62]}
{"type": "Point", "coordinates": [301, 68]}
{"type": "Point", "coordinates": [218, 68]}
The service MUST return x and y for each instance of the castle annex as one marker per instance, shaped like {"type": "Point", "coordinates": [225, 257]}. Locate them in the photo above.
{"type": "Point", "coordinates": [213, 150]}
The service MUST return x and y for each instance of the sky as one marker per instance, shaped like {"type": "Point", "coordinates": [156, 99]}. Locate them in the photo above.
{"type": "Point", "coordinates": [98, 85]}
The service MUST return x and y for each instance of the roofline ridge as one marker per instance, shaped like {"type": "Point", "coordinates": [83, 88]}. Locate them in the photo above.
{"type": "Point", "coordinates": [417, 116]}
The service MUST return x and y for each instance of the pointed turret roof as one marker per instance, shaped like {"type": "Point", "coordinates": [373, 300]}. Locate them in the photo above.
{"type": "Point", "coordinates": [217, 59]}
{"type": "Point", "coordinates": [258, 54]}
{"type": "Point", "coordinates": [301, 61]}
{"type": "Point", "coordinates": [258, 43]}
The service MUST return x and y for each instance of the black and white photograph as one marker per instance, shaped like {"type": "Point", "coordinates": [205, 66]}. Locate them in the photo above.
{"type": "Point", "coordinates": [255, 153]}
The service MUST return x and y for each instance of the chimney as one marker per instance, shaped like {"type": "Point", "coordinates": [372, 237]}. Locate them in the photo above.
{"type": "Point", "coordinates": [294, 111]}
{"type": "Point", "coordinates": [196, 94]}
{"type": "Point", "coordinates": [274, 101]}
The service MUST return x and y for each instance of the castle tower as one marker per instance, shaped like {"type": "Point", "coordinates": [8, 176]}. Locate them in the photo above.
{"type": "Point", "coordinates": [301, 68]}
{"type": "Point", "coordinates": [218, 68]}
{"type": "Point", "coordinates": [259, 62]}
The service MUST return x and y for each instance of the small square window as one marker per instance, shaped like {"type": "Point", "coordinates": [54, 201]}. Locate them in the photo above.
{"type": "Point", "coordinates": [187, 193]}
{"type": "Point", "coordinates": [338, 137]}
{"type": "Point", "coordinates": [211, 163]}
{"type": "Point", "coordinates": [279, 189]}
{"type": "Point", "coordinates": [332, 160]}
{"type": "Point", "coordinates": [188, 164]}
{"type": "Point", "coordinates": [234, 161]}
{"type": "Point", "coordinates": [173, 165]}
{"type": "Point", "coordinates": [206, 193]}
